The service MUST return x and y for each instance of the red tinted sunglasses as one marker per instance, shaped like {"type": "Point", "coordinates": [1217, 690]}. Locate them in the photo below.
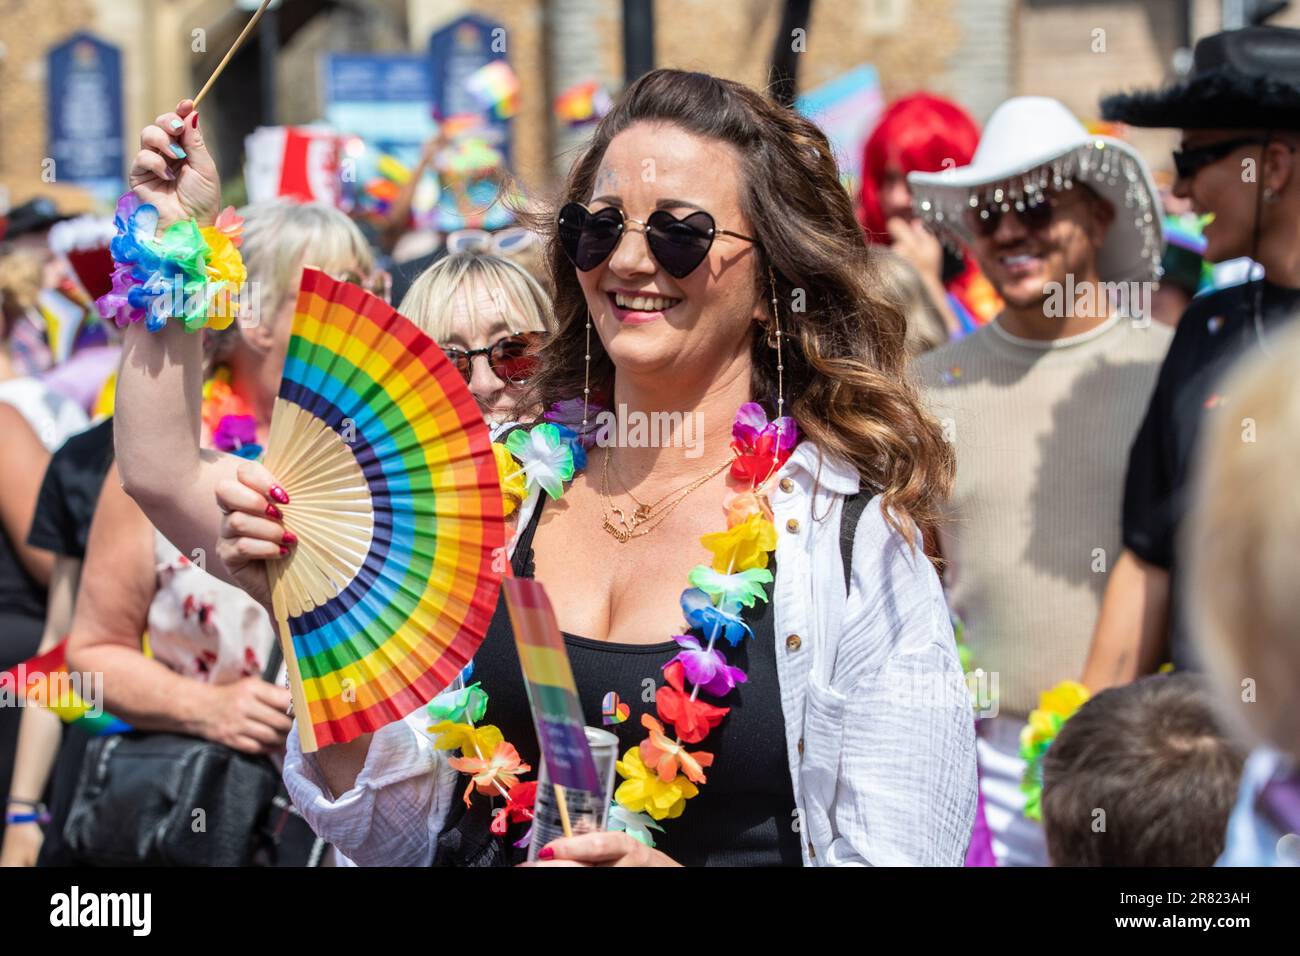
{"type": "Point", "coordinates": [512, 359]}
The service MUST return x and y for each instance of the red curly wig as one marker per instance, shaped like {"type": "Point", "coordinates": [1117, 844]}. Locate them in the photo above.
{"type": "Point", "coordinates": [916, 134]}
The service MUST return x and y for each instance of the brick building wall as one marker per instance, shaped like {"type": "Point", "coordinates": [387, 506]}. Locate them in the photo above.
{"type": "Point", "coordinates": [979, 51]}
{"type": "Point", "coordinates": [27, 29]}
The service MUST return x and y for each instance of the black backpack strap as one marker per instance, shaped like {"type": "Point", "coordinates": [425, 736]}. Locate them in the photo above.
{"type": "Point", "coordinates": [854, 505]}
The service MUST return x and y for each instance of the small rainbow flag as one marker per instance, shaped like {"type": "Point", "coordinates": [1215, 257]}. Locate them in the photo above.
{"type": "Point", "coordinates": [552, 693]}
{"type": "Point", "coordinates": [496, 88]}
{"type": "Point", "coordinates": [393, 169]}
{"type": "Point", "coordinates": [44, 680]}
{"type": "Point", "coordinates": [584, 103]}
{"type": "Point", "coordinates": [63, 320]}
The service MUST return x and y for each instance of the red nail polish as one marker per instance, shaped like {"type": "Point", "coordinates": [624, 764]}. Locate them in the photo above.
{"type": "Point", "coordinates": [194, 119]}
{"type": "Point", "coordinates": [289, 538]}
{"type": "Point", "coordinates": [283, 551]}
{"type": "Point", "coordinates": [546, 853]}
{"type": "Point", "coordinates": [277, 495]}
{"type": "Point", "coordinates": [273, 512]}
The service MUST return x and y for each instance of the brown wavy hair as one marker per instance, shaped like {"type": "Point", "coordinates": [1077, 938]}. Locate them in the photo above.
{"type": "Point", "coordinates": [845, 374]}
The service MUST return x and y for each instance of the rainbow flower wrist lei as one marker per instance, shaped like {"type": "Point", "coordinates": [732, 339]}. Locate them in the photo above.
{"type": "Point", "coordinates": [660, 774]}
{"type": "Point", "coordinates": [187, 273]}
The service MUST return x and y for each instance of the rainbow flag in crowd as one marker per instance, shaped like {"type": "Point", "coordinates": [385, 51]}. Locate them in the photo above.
{"type": "Point", "coordinates": [585, 103]}
{"type": "Point", "coordinates": [496, 88]}
{"type": "Point", "coordinates": [44, 680]}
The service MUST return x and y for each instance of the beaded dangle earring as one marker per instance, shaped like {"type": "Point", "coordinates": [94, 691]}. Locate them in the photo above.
{"type": "Point", "coordinates": [774, 342]}
{"type": "Point", "coordinates": [586, 379]}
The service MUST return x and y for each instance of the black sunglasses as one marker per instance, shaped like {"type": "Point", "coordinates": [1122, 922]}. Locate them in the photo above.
{"type": "Point", "coordinates": [679, 245]}
{"type": "Point", "coordinates": [512, 359]}
{"type": "Point", "coordinates": [1036, 212]}
{"type": "Point", "coordinates": [1189, 162]}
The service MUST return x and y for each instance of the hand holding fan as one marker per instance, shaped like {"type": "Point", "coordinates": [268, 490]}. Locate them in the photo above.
{"type": "Point", "coordinates": [394, 497]}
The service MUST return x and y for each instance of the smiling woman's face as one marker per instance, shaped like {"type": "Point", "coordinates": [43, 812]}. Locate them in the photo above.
{"type": "Point", "coordinates": [478, 322]}
{"type": "Point", "coordinates": [656, 328]}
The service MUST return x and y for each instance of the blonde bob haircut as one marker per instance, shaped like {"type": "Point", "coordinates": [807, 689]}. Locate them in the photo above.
{"type": "Point", "coordinates": [1239, 547]}
{"type": "Point", "coordinates": [447, 293]}
{"type": "Point", "coordinates": [282, 237]}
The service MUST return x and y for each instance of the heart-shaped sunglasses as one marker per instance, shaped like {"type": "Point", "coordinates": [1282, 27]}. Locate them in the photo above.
{"type": "Point", "coordinates": [678, 245]}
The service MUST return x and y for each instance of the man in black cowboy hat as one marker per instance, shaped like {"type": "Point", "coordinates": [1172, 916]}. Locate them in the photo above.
{"type": "Point", "coordinates": [1239, 112]}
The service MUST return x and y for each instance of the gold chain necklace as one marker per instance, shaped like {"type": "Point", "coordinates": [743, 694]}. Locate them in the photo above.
{"type": "Point", "coordinates": [644, 513]}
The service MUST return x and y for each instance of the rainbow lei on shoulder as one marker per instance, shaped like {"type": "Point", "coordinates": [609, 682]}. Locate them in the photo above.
{"type": "Point", "coordinates": [187, 273]}
{"type": "Point", "coordinates": [1055, 707]}
{"type": "Point", "coordinates": [660, 774]}
{"type": "Point", "coordinates": [229, 418]}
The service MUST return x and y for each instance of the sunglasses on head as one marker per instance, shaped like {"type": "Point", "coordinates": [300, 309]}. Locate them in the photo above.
{"type": "Point", "coordinates": [1036, 212]}
{"type": "Point", "coordinates": [678, 245]}
{"type": "Point", "coordinates": [512, 359]}
{"type": "Point", "coordinates": [499, 243]}
{"type": "Point", "coordinates": [1189, 162]}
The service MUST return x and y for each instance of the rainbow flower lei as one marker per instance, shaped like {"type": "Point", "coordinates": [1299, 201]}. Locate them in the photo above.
{"type": "Point", "coordinates": [187, 273]}
{"type": "Point", "coordinates": [1055, 707]}
{"type": "Point", "coordinates": [229, 418]}
{"type": "Point", "coordinates": [661, 773]}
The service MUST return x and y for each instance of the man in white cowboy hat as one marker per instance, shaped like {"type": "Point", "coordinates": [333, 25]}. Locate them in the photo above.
{"type": "Point", "coordinates": [1239, 112]}
{"type": "Point", "coordinates": [1041, 405]}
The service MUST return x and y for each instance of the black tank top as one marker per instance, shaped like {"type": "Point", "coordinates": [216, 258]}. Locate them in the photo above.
{"type": "Point", "coordinates": [743, 816]}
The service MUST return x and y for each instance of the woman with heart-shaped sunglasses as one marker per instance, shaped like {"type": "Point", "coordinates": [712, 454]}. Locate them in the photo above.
{"type": "Point", "coordinates": [705, 258]}
{"type": "Point", "coordinates": [707, 265]}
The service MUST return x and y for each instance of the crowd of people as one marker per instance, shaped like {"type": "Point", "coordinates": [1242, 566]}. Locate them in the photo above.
{"type": "Point", "coordinates": [1033, 406]}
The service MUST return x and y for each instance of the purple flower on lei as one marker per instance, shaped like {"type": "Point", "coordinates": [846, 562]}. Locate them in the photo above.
{"type": "Point", "coordinates": [237, 434]}
{"type": "Point", "coordinates": [707, 668]}
{"type": "Point", "coordinates": [568, 414]}
{"type": "Point", "coordinates": [751, 424]}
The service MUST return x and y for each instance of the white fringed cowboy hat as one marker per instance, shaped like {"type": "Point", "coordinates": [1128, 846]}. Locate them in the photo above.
{"type": "Point", "coordinates": [1032, 144]}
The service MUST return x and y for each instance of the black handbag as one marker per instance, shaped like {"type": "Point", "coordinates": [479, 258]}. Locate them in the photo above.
{"type": "Point", "coordinates": [161, 799]}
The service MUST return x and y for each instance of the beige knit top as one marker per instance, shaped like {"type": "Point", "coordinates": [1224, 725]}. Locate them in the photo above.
{"type": "Point", "coordinates": [1042, 433]}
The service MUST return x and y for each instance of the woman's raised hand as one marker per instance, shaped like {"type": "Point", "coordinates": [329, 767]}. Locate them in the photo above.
{"type": "Point", "coordinates": [174, 170]}
{"type": "Point", "coordinates": [251, 528]}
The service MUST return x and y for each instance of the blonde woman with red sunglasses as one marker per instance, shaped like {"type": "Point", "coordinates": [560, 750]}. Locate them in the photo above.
{"type": "Point", "coordinates": [489, 316]}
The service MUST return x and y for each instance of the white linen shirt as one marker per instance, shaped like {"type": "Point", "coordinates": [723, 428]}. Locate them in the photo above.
{"type": "Point", "coordinates": [879, 730]}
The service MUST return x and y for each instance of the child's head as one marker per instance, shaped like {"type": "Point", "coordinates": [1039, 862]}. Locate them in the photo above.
{"type": "Point", "coordinates": [1141, 775]}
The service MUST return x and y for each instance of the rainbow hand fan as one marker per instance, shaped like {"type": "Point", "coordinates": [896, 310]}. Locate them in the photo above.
{"type": "Point", "coordinates": [394, 497]}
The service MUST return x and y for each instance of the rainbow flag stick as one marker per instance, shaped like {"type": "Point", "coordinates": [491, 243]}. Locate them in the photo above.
{"type": "Point", "coordinates": [552, 693]}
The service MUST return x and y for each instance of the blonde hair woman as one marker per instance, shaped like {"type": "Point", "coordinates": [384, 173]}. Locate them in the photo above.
{"type": "Point", "coordinates": [1240, 549]}
{"type": "Point", "coordinates": [487, 313]}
